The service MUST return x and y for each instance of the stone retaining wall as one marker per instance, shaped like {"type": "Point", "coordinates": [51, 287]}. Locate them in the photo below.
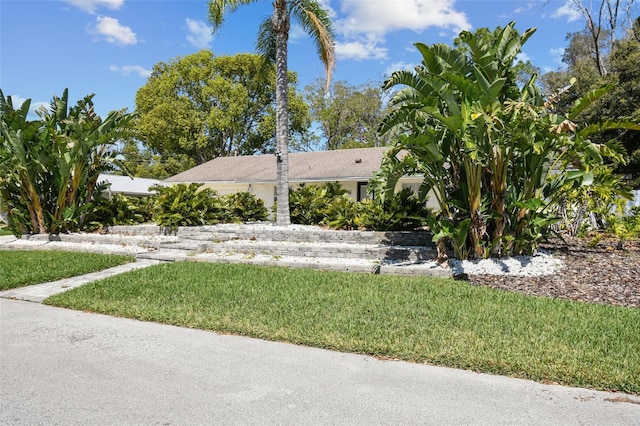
{"type": "Point", "coordinates": [275, 233]}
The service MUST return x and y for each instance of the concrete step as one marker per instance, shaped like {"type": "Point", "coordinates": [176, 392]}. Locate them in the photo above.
{"type": "Point", "coordinates": [322, 250]}
{"type": "Point", "coordinates": [319, 263]}
{"type": "Point", "coordinates": [299, 247]}
{"type": "Point", "coordinates": [295, 233]}
{"type": "Point", "coordinates": [147, 241]}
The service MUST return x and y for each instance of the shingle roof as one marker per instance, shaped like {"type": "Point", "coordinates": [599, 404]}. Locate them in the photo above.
{"type": "Point", "coordinates": [344, 164]}
{"type": "Point", "coordinates": [128, 185]}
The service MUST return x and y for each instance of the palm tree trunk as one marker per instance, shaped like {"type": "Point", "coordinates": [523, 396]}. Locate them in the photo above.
{"type": "Point", "coordinates": [281, 25]}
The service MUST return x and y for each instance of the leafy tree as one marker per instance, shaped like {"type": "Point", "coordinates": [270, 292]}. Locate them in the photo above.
{"type": "Point", "coordinates": [140, 161]}
{"type": "Point", "coordinates": [50, 167]}
{"type": "Point", "coordinates": [486, 145]}
{"type": "Point", "coordinates": [603, 20]}
{"type": "Point", "coordinates": [202, 106]}
{"type": "Point", "coordinates": [348, 116]}
{"type": "Point", "coordinates": [272, 45]}
{"type": "Point", "coordinates": [622, 102]}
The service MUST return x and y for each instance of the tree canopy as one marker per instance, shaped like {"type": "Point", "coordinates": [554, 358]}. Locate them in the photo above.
{"type": "Point", "coordinates": [205, 106]}
{"type": "Point", "coordinates": [348, 116]}
{"type": "Point", "coordinates": [622, 102]}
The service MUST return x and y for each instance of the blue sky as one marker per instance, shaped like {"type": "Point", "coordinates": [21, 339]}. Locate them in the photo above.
{"type": "Point", "coordinates": [108, 47]}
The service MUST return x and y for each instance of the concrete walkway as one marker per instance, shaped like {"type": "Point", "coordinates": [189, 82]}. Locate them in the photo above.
{"type": "Point", "coordinates": [63, 367]}
{"type": "Point", "coordinates": [39, 292]}
{"type": "Point", "coordinates": [7, 239]}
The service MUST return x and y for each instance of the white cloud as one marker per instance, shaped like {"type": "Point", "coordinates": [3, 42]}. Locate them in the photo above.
{"type": "Point", "coordinates": [522, 57]}
{"type": "Point", "coordinates": [556, 58]}
{"type": "Point", "coordinates": [375, 18]}
{"type": "Point", "coordinates": [90, 6]}
{"type": "Point", "coordinates": [200, 34]}
{"type": "Point", "coordinates": [359, 50]}
{"type": "Point", "coordinates": [128, 69]}
{"type": "Point", "coordinates": [366, 23]}
{"type": "Point", "coordinates": [296, 33]}
{"type": "Point", "coordinates": [115, 33]}
{"type": "Point", "coordinates": [326, 5]}
{"type": "Point", "coordinates": [17, 102]}
{"type": "Point", "coordinates": [525, 8]}
{"type": "Point", "coordinates": [567, 11]}
{"type": "Point", "coordinates": [556, 53]}
{"type": "Point", "coordinates": [399, 66]}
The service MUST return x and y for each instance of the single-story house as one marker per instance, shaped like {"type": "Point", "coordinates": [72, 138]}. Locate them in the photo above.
{"type": "Point", "coordinates": [130, 187]}
{"type": "Point", "coordinates": [256, 174]}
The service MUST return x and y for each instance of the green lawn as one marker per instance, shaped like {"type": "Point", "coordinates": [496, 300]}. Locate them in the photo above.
{"type": "Point", "coordinates": [21, 268]}
{"type": "Point", "coordinates": [437, 321]}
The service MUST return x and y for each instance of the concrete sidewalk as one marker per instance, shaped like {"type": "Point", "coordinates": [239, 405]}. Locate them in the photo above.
{"type": "Point", "coordinates": [63, 367]}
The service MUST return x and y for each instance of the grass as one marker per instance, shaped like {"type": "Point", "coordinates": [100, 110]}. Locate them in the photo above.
{"type": "Point", "coordinates": [21, 268]}
{"type": "Point", "coordinates": [438, 321]}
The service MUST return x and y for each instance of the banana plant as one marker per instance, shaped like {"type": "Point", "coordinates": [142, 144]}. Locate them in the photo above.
{"type": "Point", "coordinates": [485, 145]}
{"type": "Point", "coordinates": [20, 166]}
{"type": "Point", "coordinates": [51, 165]}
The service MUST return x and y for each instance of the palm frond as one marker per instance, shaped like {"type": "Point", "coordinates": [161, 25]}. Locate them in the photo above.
{"type": "Point", "coordinates": [219, 9]}
{"type": "Point", "coordinates": [266, 42]}
{"type": "Point", "coordinates": [440, 57]}
{"type": "Point", "coordinates": [315, 21]}
{"type": "Point", "coordinates": [607, 125]}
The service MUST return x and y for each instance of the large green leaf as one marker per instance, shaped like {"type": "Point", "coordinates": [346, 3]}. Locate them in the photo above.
{"type": "Point", "coordinates": [587, 100]}
{"type": "Point", "coordinates": [607, 125]}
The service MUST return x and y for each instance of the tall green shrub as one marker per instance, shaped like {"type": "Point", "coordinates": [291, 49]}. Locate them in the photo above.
{"type": "Point", "coordinates": [121, 210]}
{"type": "Point", "coordinates": [402, 211]}
{"type": "Point", "coordinates": [191, 205]}
{"type": "Point", "coordinates": [309, 203]}
{"type": "Point", "coordinates": [245, 207]}
{"type": "Point", "coordinates": [49, 167]}
{"type": "Point", "coordinates": [186, 205]}
{"type": "Point", "coordinates": [486, 145]}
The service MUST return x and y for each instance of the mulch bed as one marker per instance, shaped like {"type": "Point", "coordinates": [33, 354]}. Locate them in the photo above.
{"type": "Point", "coordinates": [591, 273]}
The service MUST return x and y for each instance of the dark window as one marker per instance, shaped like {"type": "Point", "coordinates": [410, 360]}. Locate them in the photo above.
{"type": "Point", "coordinates": [362, 191]}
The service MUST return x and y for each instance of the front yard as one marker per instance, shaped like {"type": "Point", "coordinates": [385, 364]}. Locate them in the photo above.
{"type": "Point", "coordinates": [426, 320]}
{"type": "Point", "coordinates": [21, 268]}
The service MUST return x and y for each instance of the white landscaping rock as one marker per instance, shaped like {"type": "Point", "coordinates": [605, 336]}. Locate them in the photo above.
{"type": "Point", "coordinates": [523, 266]}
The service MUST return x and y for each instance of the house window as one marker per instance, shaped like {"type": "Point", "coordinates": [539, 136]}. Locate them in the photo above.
{"type": "Point", "coordinates": [415, 187]}
{"type": "Point", "coordinates": [362, 191]}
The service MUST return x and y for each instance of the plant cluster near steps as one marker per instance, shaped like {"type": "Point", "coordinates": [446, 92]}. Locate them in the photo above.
{"type": "Point", "coordinates": [431, 320]}
{"type": "Point", "coordinates": [22, 268]}
{"type": "Point", "coordinates": [329, 205]}
{"type": "Point", "coordinates": [191, 205]}
{"type": "Point", "coordinates": [323, 205]}
{"type": "Point", "coordinates": [493, 150]}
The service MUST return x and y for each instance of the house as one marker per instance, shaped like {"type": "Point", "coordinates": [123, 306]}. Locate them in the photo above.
{"type": "Point", "coordinates": [256, 174]}
{"type": "Point", "coordinates": [130, 187]}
